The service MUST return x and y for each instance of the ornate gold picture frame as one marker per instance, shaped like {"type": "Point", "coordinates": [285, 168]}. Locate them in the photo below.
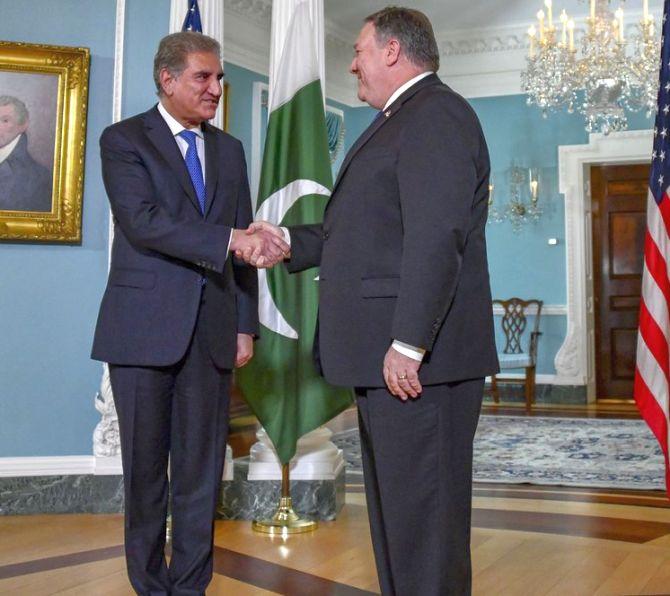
{"type": "Point", "coordinates": [43, 102]}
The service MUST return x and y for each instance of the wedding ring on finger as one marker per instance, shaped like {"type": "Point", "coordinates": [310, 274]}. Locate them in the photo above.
{"type": "Point", "coordinates": [402, 377]}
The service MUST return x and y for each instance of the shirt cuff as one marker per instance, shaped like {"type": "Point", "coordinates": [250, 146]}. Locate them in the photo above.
{"type": "Point", "coordinates": [287, 235]}
{"type": "Point", "coordinates": [410, 351]}
{"type": "Point", "coordinates": [230, 239]}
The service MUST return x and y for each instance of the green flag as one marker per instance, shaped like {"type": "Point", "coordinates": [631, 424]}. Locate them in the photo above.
{"type": "Point", "coordinates": [280, 383]}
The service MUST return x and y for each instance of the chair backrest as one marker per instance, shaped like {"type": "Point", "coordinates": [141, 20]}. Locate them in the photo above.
{"type": "Point", "coordinates": [515, 311]}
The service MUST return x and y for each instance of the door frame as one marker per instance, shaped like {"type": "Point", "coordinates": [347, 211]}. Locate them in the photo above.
{"type": "Point", "coordinates": [575, 359]}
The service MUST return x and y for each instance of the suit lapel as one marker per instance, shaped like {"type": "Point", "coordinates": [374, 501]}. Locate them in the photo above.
{"type": "Point", "coordinates": [160, 135]}
{"type": "Point", "coordinates": [212, 164]}
{"type": "Point", "coordinates": [431, 79]}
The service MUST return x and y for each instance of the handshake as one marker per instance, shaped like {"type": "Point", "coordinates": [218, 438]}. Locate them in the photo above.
{"type": "Point", "coordinates": [262, 244]}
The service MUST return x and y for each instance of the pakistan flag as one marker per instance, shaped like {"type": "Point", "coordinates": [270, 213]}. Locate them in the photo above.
{"type": "Point", "coordinates": [280, 383]}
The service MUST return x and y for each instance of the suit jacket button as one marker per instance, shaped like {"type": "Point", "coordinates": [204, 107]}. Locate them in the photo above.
{"type": "Point", "coordinates": [326, 235]}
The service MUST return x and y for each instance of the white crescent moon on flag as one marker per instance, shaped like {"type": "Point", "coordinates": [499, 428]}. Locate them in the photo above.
{"type": "Point", "coordinates": [273, 209]}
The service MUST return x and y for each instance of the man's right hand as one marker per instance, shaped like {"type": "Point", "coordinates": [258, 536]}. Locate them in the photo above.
{"type": "Point", "coordinates": [258, 246]}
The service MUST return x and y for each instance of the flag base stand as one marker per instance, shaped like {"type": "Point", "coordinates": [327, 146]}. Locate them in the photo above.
{"type": "Point", "coordinates": [285, 521]}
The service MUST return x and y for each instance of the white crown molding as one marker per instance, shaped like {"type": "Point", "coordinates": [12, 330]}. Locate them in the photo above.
{"type": "Point", "coordinates": [575, 360]}
{"type": "Point", "coordinates": [256, 11]}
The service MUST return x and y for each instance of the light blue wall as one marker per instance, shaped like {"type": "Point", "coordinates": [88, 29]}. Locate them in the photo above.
{"type": "Point", "coordinates": [49, 294]}
{"type": "Point", "coordinates": [524, 264]}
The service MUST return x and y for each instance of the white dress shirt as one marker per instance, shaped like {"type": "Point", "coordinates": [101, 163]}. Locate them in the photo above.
{"type": "Point", "coordinates": [413, 352]}
{"type": "Point", "coordinates": [6, 151]}
{"type": "Point", "coordinates": [175, 128]}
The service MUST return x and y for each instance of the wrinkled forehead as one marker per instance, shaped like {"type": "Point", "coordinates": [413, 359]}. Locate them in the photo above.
{"type": "Point", "coordinates": [366, 36]}
{"type": "Point", "coordinates": [204, 62]}
{"type": "Point", "coordinates": [8, 110]}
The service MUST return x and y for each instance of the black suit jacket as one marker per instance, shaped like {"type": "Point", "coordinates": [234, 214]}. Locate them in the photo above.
{"type": "Point", "coordinates": [25, 185]}
{"type": "Point", "coordinates": [402, 247]}
{"type": "Point", "coordinates": [163, 247]}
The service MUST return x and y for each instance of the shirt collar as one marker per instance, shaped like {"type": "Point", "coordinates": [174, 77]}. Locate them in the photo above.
{"type": "Point", "coordinates": [404, 87]}
{"type": "Point", "coordinates": [175, 126]}
{"type": "Point", "coordinates": [6, 151]}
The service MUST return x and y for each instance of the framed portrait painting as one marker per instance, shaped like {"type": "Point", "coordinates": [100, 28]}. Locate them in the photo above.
{"type": "Point", "coordinates": [43, 101]}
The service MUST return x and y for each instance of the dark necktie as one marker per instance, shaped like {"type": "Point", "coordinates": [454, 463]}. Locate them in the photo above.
{"type": "Point", "coordinates": [194, 167]}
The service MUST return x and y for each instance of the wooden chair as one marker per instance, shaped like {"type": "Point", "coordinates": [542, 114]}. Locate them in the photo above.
{"type": "Point", "coordinates": [514, 324]}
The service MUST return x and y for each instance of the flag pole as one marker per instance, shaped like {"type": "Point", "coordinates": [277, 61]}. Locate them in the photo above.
{"type": "Point", "coordinates": [285, 520]}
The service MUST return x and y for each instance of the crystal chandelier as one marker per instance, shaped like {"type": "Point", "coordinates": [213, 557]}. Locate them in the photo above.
{"type": "Point", "coordinates": [613, 73]}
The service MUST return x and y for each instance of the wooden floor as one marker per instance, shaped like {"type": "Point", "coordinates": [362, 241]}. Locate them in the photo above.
{"type": "Point", "coordinates": [527, 540]}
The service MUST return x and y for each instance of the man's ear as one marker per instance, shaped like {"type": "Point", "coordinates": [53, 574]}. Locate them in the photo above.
{"type": "Point", "coordinates": [167, 82]}
{"type": "Point", "coordinates": [392, 52]}
{"type": "Point", "coordinates": [24, 127]}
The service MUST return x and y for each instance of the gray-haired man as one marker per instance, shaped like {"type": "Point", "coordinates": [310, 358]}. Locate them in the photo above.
{"type": "Point", "coordinates": [178, 314]}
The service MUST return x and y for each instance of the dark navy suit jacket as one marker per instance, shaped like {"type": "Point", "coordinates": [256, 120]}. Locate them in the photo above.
{"type": "Point", "coordinates": [163, 247]}
{"type": "Point", "coordinates": [402, 247]}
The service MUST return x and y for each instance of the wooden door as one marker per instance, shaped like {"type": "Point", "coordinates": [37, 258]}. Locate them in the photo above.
{"type": "Point", "coordinates": [619, 200]}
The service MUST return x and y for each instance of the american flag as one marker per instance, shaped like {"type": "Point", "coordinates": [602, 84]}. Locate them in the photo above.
{"type": "Point", "coordinates": [652, 372]}
{"type": "Point", "coordinates": [192, 21]}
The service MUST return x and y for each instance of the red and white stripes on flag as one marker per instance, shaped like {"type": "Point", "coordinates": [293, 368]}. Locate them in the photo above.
{"type": "Point", "coordinates": [652, 371]}
{"type": "Point", "coordinates": [652, 374]}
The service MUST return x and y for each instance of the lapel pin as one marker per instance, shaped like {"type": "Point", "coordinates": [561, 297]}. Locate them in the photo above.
{"type": "Point", "coordinates": [387, 113]}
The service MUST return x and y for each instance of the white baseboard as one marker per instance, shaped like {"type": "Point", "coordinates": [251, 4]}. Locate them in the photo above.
{"type": "Point", "coordinates": [539, 379]}
{"type": "Point", "coordinates": [47, 466]}
{"type": "Point", "coordinates": [75, 465]}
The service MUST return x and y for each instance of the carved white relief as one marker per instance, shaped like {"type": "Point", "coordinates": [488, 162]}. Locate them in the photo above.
{"type": "Point", "coordinates": [316, 458]}
{"type": "Point", "coordinates": [106, 440]}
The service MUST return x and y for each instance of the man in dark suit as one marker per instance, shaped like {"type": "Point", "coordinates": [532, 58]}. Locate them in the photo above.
{"type": "Point", "coordinates": [25, 185]}
{"type": "Point", "coordinates": [405, 305]}
{"type": "Point", "coordinates": [178, 314]}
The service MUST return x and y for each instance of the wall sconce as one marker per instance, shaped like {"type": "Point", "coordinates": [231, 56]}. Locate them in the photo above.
{"type": "Point", "coordinates": [523, 205]}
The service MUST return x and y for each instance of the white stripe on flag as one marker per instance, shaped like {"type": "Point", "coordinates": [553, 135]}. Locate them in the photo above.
{"type": "Point", "coordinates": [652, 374]}
{"type": "Point", "coordinates": [656, 227]}
{"type": "Point", "coordinates": [654, 300]}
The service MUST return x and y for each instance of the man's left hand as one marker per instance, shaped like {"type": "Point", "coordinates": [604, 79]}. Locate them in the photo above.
{"type": "Point", "coordinates": [401, 374]}
{"type": "Point", "coordinates": [245, 349]}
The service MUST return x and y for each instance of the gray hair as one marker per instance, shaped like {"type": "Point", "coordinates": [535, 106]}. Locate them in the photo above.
{"type": "Point", "coordinates": [412, 29]}
{"type": "Point", "coordinates": [20, 108]}
{"type": "Point", "coordinates": [173, 51]}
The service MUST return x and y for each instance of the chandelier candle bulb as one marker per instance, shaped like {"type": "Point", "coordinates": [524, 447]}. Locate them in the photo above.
{"type": "Point", "coordinates": [593, 10]}
{"type": "Point", "coordinates": [540, 17]}
{"type": "Point", "coordinates": [619, 15]}
{"type": "Point", "coordinates": [564, 22]}
{"type": "Point", "coordinates": [550, 20]}
{"type": "Point", "coordinates": [531, 35]}
{"type": "Point", "coordinates": [645, 10]}
{"type": "Point", "coordinates": [571, 33]}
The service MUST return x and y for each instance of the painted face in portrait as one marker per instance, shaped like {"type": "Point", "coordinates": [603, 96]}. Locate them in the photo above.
{"type": "Point", "coordinates": [370, 65]}
{"type": "Point", "coordinates": [10, 128]}
{"type": "Point", "coordinates": [193, 96]}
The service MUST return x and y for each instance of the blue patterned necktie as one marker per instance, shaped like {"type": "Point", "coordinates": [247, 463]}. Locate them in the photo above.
{"type": "Point", "coordinates": [194, 167]}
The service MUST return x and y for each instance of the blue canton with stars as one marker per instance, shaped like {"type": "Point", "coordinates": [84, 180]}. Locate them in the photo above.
{"type": "Point", "coordinates": [192, 21]}
{"type": "Point", "coordinates": [660, 157]}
